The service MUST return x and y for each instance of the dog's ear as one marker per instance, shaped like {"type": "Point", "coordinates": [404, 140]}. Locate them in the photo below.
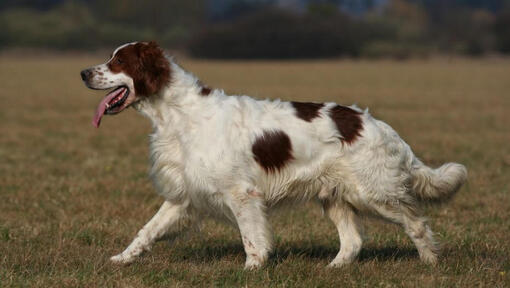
{"type": "Point", "coordinates": [153, 69]}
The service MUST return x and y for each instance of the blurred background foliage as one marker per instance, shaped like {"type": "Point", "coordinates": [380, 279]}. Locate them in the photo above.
{"type": "Point", "coordinates": [263, 28]}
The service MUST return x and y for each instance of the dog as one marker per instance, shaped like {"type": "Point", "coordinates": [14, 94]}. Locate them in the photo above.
{"type": "Point", "coordinates": [235, 158]}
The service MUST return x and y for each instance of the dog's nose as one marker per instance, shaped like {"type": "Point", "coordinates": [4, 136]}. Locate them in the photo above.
{"type": "Point", "coordinates": [85, 74]}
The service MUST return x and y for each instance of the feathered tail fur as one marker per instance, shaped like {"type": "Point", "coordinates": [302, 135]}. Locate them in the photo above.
{"type": "Point", "coordinates": [438, 185]}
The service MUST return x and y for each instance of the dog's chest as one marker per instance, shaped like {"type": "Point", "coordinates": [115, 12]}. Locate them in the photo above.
{"type": "Point", "coordinates": [179, 171]}
{"type": "Point", "coordinates": [175, 178]}
{"type": "Point", "coordinates": [166, 169]}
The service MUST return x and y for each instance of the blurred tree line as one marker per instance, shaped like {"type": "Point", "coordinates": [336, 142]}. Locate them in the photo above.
{"type": "Point", "coordinates": [264, 28]}
{"type": "Point", "coordinates": [87, 24]}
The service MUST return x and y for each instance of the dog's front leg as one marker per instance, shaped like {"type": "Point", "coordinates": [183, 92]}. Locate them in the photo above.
{"type": "Point", "coordinates": [248, 207]}
{"type": "Point", "coordinates": [168, 216]}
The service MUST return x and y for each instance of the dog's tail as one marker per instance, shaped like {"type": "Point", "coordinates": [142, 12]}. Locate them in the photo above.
{"type": "Point", "coordinates": [437, 185]}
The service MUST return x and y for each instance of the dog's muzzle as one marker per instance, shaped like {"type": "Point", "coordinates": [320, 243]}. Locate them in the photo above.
{"type": "Point", "coordinates": [86, 74]}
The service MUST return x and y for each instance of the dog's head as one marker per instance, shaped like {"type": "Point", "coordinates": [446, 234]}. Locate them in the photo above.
{"type": "Point", "coordinates": [135, 71]}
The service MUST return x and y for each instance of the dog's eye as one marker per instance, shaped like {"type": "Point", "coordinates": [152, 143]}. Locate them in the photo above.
{"type": "Point", "coordinates": [118, 61]}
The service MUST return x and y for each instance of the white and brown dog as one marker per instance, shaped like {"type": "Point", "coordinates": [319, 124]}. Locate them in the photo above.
{"type": "Point", "coordinates": [235, 157]}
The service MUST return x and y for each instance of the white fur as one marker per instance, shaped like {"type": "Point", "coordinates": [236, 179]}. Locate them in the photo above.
{"type": "Point", "coordinates": [202, 164]}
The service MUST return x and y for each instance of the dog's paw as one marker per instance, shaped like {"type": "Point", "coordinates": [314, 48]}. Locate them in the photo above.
{"type": "Point", "coordinates": [337, 263]}
{"type": "Point", "coordinates": [253, 263]}
{"type": "Point", "coordinates": [121, 259]}
{"type": "Point", "coordinates": [429, 258]}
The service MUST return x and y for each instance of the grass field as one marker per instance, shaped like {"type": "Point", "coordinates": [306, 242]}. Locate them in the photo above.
{"type": "Point", "coordinates": [71, 196]}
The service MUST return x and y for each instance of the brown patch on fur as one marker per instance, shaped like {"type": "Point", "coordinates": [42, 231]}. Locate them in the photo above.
{"type": "Point", "coordinates": [146, 64]}
{"type": "Point", "coordinates": [348, 123]}
{"type": "Point", "coordinates": [307, 110]}
{"type": "Point", "coordinates": [272, 150]}
{"type": "Point", "coordinates": [205, 91]}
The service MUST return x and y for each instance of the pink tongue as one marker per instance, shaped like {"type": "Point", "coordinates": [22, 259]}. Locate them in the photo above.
{"type": "Point", "coordinates": [102, 106]}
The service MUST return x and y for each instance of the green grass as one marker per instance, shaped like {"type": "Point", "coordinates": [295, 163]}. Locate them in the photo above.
{"type": "Point", "coordinates": [71, 195]}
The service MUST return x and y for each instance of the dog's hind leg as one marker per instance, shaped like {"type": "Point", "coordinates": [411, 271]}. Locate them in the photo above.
{"type": "Point", "coordinates": [414, 225]}
{"type": "Point", "coordinates": [349, 228]}
{"type": "Point", "coordinates": [248, 208]}
{"type": "Point", "coordinates": [169, 216]}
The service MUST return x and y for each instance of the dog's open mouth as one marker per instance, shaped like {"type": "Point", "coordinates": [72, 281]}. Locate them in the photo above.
{"type": "Point", "coordinates": [112, 103]}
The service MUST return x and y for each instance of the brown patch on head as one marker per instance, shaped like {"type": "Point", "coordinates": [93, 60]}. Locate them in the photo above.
{"type": "Point", "coordinates": [272, 150]}
{"type": "Point", "coordinates": [146, 64]}
{"type": "Point", "coordinates": [307, 110]}
{"type": "Point", "coordinates": [348, 123]}
{"type": "Point", "coordinates": [205, 91]}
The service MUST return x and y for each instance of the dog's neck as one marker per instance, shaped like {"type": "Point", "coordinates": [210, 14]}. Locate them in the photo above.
{"type": "Point", "coordinates": [176, 103]}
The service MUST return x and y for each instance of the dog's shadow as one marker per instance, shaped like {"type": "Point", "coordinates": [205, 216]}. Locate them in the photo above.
{"type": "Point", "coordinates": [327, 253]}
{"type": "Point", "coordinates": [219, 250]}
